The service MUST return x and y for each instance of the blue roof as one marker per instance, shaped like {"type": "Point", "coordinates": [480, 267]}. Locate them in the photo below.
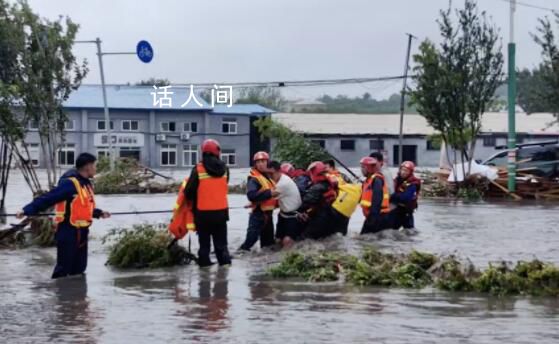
{"type": "Point", "coordinates": [141, 98]}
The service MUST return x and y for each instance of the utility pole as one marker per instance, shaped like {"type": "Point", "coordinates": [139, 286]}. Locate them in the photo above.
{"type": "Point", "coordinates": [403, 101]}
{"type": "Point", "coordinates": [105, 106]}
{"type": "Point", "coordinates": [512, 103]}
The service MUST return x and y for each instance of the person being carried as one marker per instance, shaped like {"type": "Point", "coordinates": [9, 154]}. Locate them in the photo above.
{"type": "Point", "coordinates": [75, 209]}
{"type": "Point", "coordinates": [407, 188]}
{"type": "Point", "coordinates": [321, 219]}
{"type": "Point", "coordinates": [262, 196]}
{"type": "Point", "coordinates": [288, 228]}
{"type": "Point", "coordinates": [207, 190]}
{"type": "Point", "coordinates": [374, 197]}
{"type": "Point", "coordinates": [299, 176]}
{"type": "Point", "coordinates": [331, 169]}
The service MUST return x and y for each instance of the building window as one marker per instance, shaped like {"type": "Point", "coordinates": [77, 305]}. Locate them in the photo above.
{"type": "Point", "coordinates": [489, 141]}
{"type": "Point", "coordinates": [67, 155]}
{"type": "Point", "coordinates": [168, 155]}
{"type": "Point", "coordinates": [103, 152]}
{"type": "Point", "coordinates": [33, 150]}
{"type": "Point", "coordinates": [431, 145]}
{"type": "Point", "coordinates": [33, 125]}
{"type": "Point", "coordinates": [520, 139]}
{"type": "Point", "coordinates": [229, 126]}
{"type": "Point", "coordinates": [70, 125]}
{"type": "Point", "coordinates": [102, 127]}
{"type": "Point", "coordinates": [320, 143]}
{"type": "Point", "coordinates": [130, 125]}
{"type": "Point", "coordinates": [168, 127]}
{"type": "Point", "coordinates": [190, 127]}
{"type": "Point", "coordinates": [229, 157]}
{"type": "Point", "coordinates": [189, 155]}
{"type": "Point", "coordinates": [347, 145]}
{"type": "Point", "coordinates": [376, 144]}
{"type": "Point", "coordinates": [130, 153]}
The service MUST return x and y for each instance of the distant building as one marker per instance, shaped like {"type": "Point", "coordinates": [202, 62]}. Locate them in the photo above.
{"type": "Point", "coordinates": [157, 137]}
{"type": "Point", "coordinates": [349, 137]}
{"type": "Point", "coordinates": [306, 105]}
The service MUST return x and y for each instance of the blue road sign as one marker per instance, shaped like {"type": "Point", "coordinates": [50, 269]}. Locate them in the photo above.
{"type": "Point", "coordinates": [144, 51]}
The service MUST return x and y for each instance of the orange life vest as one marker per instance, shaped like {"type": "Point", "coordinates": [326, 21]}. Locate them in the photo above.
{"type": "Point", "coordinates": [400, 186]}
{"type": "Point", "coordinates": [212, 191]}
{"type": "Point", "coordinates": [265, 184]}
{"type": "Point", "coordinates": [367, 195]}
{"type": "Point", "coordinates": [80, 208]}
{"type": "Point", "coordinates": [183, 217]}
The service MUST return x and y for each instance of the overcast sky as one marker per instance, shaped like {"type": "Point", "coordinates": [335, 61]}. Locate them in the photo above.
{"type": "Point", "coordinates": [263, 40]}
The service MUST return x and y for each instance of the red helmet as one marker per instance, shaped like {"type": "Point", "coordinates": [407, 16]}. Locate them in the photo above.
{"type": "Point", "coordinates": [369, 163]}
{"type": "Point", "coordinates": [409, 165]}
{"type": "Point", "coordinates": [316, 170]}
{"type": "Point", "coordinates": [287, 168]}
{"type": "Point", "coordinates": [211, 146]}
{"type": "Point", "coordinates": [261, 156]}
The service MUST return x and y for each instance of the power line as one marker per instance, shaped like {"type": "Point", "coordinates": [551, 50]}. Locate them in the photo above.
{"type": "Point", "coordinates": [525, 4]}
{"type": "Point", "coordinates": [293, 83]}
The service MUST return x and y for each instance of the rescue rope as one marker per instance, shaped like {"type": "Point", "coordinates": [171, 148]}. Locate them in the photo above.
{"type": "Point", "coordinates": [116, 213]}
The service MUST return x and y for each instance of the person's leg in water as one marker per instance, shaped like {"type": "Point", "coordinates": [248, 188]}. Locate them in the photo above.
{"type": "Point", "coordinates": [80, 261]}
{"type": "Point", "coordinates": [267, 233]}
{"type": "Point", "coordinates": [66, 250]}
{"type": "Point", "coordinates": [256, 222]}
{"type": "Point", "coordinates": [204, 240]}
{"type": "Point", "coordinates": [219, 236]}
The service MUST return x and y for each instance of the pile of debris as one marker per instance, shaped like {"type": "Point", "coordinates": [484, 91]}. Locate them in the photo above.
{"type": "Point", "coordinates": [129, 176]}
{"type": "Point", "coordinates": [528, 186]}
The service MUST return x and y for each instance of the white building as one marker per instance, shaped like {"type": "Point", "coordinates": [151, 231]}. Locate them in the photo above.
{"type": "Point", "coordinates": [349, 137]}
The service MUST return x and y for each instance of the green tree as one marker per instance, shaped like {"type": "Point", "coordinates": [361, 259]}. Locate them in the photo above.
{"type": "Point", "coordinates": [456, 82]}
{"type": "Point", "coordinates": [154, 81]}
{"type": "Point", "coordinates": [289, 145]}
{"type": "Point", "coordinates": [549, 69]}
{"type": "Point", "coordinates": [40, 77]}
{"type": "Point", "coordinates": [533, 92]}
{"type": "Point", "coordinates": [266, 96]}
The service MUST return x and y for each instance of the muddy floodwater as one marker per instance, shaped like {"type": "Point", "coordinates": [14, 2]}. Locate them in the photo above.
{"type": "Point", "coordinates": [240, 305]}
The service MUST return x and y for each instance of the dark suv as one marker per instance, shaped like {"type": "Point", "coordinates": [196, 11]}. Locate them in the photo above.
{"type": "Point", "coordinates": [538, 158]}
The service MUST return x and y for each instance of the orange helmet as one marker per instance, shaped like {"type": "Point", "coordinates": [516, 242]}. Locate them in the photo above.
{"type": "Point", "coordinates": [261, 156]}
{"type": "Point", "coordinates": [409, 165]}
{"type": "Point", "coordinates": [316, 170]}
{"type": "Point", "coordinates": [287, 168]}
{"type": "Point", "coordinates": [211, 146]}
{"type": "Point", "coordinates": [369, 163]}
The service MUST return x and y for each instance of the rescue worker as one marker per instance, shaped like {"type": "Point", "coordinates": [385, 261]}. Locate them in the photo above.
{"type": "Point", "coordinates": [321, 219]}
{"type": "Point", "coordinates": [299, 176]}
{"type": "Point", "coordinates": [207, 190]}
{"type": "Point", "coordinates": [262, 198]}
{"type": "Point", "coordinates": [374, 197]}
{"type": "Point", "coordinates": [74, 203]}
{"type": "Point", "coordinates": [331, 169]}
{"type": "Point", "coordinates": [384, 170]}
{"type": "Point", "coordinates": [407, 188]}
{"type": "Point", "coordinates": [288, 228]}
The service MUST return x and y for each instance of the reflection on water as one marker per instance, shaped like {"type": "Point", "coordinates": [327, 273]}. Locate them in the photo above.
{"type": "Point", "coordinates": [238, 304]}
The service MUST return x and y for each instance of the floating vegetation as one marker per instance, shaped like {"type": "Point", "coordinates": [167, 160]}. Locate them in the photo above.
{"type": "Point", "coordinates": [420, 269]}
{"type": "Point", "coordinates": [144, 246]}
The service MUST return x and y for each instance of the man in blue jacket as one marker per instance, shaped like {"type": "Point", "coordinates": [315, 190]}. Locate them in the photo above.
{"type": "Point", "coordinates": [75, 209]}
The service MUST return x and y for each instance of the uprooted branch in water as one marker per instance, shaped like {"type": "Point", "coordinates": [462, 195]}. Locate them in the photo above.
{"type": "Point", "coordinates": [418, 270]}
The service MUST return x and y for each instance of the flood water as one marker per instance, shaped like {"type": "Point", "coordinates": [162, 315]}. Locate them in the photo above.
{"type": "Point", "coordinates": [241, 305]}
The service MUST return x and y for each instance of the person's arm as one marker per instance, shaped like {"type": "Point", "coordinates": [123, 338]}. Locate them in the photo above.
{"type": "Point", "coordinates": [63, 191]}
{"type": "Point", "coordinates": [376, 202]}
{"type": "Point", "coordinates": [404, 197]}
{"type": "Point", "coordinates": [191, 188]}
{"type": "Point", "coordinates": [253, 191]}
{"type": "Point", "coordinates": [314, 195]}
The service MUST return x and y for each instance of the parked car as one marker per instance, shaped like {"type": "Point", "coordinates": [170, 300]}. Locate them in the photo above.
{"type": "Point", "coordinates": [538, 158]}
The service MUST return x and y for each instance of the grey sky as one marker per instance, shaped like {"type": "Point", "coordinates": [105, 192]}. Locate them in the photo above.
{"type": "Point", "coordinates": [261, 40]}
